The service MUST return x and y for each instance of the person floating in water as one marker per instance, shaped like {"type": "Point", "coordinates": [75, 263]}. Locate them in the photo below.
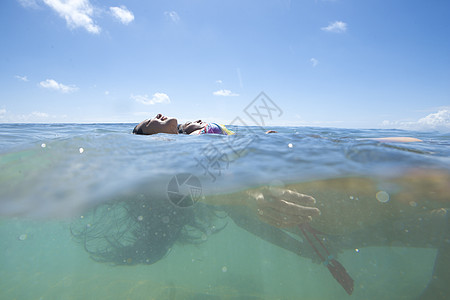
{"type": "Point", "coordinates": [286, 209]}
{"type": "Point", "coordinates": [163, 124]}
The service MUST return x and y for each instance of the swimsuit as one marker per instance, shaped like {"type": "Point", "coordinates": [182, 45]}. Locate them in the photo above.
{"type": "Point", "coordinates": [216, 129]}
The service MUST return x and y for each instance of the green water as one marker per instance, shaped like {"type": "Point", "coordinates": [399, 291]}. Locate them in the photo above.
{"type": "Point", "coordinates": [41, 261]}
{"type": "Point", "coordinates": [46, 176]}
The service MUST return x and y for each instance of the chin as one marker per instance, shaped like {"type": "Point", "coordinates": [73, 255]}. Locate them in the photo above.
{"type": "Point", "coordinates": [173, 123]}
{"type": "Point", "coordinates": [172, 120]}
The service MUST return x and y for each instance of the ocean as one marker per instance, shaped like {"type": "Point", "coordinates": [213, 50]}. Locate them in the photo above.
{"type": "Point", "coordinates": [74, 198]}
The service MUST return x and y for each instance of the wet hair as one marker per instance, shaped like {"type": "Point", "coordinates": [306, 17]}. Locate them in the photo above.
{"type": "Point", "coordinates": [141, 230]}
{"type": "Point", "coordinates": [137, 130]}
{"type": "Point", "coordinates": [180, 129]}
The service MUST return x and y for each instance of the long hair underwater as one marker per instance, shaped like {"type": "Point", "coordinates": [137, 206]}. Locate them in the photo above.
{"type": "Point", "coordinates": [141, 230]}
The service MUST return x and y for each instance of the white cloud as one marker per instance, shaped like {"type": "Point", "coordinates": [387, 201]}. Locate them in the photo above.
{"type": "Point", "coordinates": [156, 98]}
{"type": "Point", "coordinates": [77, 13]}
{"type": "Point", "coordinates": [53, 85]}
{"type": "Point", "coordinates": [37, 114]}
{"type": "Point", "coordinates": [337, 27]}
{"type": "Point", "coordinates": [224, 93]}
{"type": "Point", "coordinates": [314, 62]}
{"type": "Point", "coordinates": [439, 121]}
{"type": "Point", "coordinates": [173, 16]}
{"type": "Point", "coordinates": [219, 81]}
{"type": "Point", "coordinates": [122, 14]}
{"type": "Point", "coordinates": [22, 78]}
{"type": "Point", "coordinates": [28, 3]}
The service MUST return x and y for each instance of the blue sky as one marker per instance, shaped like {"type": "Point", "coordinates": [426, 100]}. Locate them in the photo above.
{"type": "Point", "coordinates": [341, 63]}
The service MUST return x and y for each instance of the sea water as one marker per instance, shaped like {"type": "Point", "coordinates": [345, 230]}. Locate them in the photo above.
{"type": "Point", "coordinates": [53, 174]}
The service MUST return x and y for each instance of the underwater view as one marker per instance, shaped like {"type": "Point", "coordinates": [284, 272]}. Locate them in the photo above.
{"type": "Point", "coordinates": [91, 211]}
{"type": "Point", "coordinates": [216, 150]}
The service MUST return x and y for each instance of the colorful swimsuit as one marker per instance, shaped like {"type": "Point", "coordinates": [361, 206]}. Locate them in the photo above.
{"type": "Point", "coordinates": [216, 129]}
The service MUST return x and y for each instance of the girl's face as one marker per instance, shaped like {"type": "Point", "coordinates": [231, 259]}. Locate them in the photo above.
{"type": "Point", "coordinates": [159, 124]}
{"type": "Point", "coordinates": [190, 127]}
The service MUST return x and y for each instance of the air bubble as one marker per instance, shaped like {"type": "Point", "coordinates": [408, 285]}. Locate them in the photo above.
{"type": "Point", "coordinates": [382, 196]}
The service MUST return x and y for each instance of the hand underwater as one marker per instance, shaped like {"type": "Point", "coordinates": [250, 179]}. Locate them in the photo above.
{"type": "Point", "coordinates": [282, 207]}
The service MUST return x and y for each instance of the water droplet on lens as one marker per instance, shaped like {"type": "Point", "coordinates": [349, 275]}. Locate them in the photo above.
{"type": "Point", "coordinates": [382, 196]}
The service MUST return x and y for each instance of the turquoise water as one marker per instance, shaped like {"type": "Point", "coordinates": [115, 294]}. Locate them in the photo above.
{"type": "Point", "coordinates": [54, 175]}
